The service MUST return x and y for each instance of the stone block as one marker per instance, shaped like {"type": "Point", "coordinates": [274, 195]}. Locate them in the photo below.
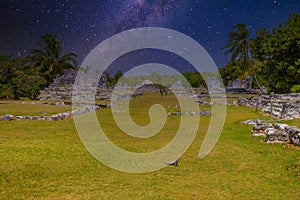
{"type": "Point", "coordinates": [276, 136]}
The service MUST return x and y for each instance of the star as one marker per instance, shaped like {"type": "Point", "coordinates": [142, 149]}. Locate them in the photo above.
{"type": "Point", "coordinates": [84, 24]}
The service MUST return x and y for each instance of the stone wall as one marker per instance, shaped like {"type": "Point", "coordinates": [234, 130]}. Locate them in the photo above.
{"type": "Point", "coordinates": [285, 106]}
{"type": "Point", "coordinates": [275, 133]}
{"type": "Point", "coordinates": [55, 117]}
{"type": "Point", "coordinates": [241, 86]}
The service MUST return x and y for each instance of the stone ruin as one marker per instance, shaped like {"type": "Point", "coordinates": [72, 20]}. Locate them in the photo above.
{"type": "Point", "coordinates": [240, 86]}
{"type": "Point", "coordinates": [214, 85]}
{"type": "Point", "coordinates": [275, 133]}
{"type": "Point", "coordinates": [285, 106]}
{"type": "Point", "coordinates": [55, 117]}
{"type": "Point", "coordinates": [62, 87]}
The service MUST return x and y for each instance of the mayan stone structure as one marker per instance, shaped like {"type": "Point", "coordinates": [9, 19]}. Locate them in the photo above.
{"type": "Point", "coordinates": [62, 87]}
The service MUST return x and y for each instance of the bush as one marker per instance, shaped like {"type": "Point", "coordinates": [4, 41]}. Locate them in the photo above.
{"type": "Point", "coordinates": [29, 85]}
{"type": "Point", "coordinates": [295, 88]}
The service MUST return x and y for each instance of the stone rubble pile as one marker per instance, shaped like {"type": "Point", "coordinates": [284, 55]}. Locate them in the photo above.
{"type": "Point", "coordinates": [205, 103]}
{"type": "Point", "coordinates": [59, 116]}
{"type": "Point", "coordinates": [276, 132]}
{"type": "Point", "coordinates": [240, 86]}
{"type": "Point", "coordinates": [204, 113]}
{"type": "Point", "coordinates": [124, 96]}
{"type": "Point", "coordinates": [285, 106]}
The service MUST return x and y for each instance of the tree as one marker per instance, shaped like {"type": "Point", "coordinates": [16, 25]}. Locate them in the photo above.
{"type": "Point", "coordinates": [8, 68]}
{"type": "Point", "coordinates": [278, 51]}
{"type": "Point", "coordinates": [28, 84]}
{"type": "Point", "coordinates": [232, 71]}
{"type": "Point", "coordinates": [116, 77]}
{"type": "Point", "coordinates": [239, 46]}
{"type": "Point", "coordinates": [194, 78]}
{"type": "Point", "coordinates": [16, 80]}
{"type": "Point", "coordinates": [47, 59]}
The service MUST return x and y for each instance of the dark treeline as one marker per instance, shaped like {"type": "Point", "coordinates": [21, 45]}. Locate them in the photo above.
{"type": "Point", "coordinates": [272, 58]}
{"type": "Point", "coordinates": [25, 77]}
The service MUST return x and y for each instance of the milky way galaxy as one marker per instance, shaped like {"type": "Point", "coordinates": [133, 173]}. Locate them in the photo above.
{"type": "Point", "coordinates": [141, 13]}
{"type": "Point", "coordinates": [84, 24]}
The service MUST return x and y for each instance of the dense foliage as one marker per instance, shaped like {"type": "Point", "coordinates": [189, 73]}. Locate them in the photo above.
{"type": "Point", "coordinates": [25, 77]}
{"type": "Point", "coordinates": [194, 78]}
{"type": "Point", "coordinates": [47, 59]}
{"type": "Point", "coordinates": [239, 45]}
{"type": "Point", "coordinates": [232, 71]}
{"type": "Point", "coordinates": [279, 55]}
{"type": "Point", "coordinates": [273, 55]}
{"type": "Point", "coordinates": [8, 68]}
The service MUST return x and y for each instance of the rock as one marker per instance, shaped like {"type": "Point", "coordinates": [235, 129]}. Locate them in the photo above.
{"type": "Point", "coordinates": [276, 133]}
{"type": "Point", "coordinates": [7, 117]}
{"type": "Point", "coordinates": [294, 134]}
{"type": "Point", "coordinates": [260, 130]}
{"type": "Point", "coordinates": [249, 122]}
{"type": "Point", "coordinates": [18, 118]}
{"type": "Point", "coordinates": [295, 138]}
{"type": "Point", "coordinates": [280, 127]}
{"type": "Point", "coordinates": [239, 86]}
{"type": "Point", "coordinates": [275, 136]}
{"type": "Point", "coordinates": [206, 113]}
{"type": "Point", "coordinates": [259, 121]}
{"type": "Point", "coordinates": [174, 113]}
{"type": "Point", "coordinates": [60, 104]}
{"type": "Point", "coordinates": [35, 118]}
{"type": "Point", "coordinates": [285, 106]}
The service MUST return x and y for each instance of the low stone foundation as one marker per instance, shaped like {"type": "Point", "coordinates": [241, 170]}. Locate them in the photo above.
{"type": "Point", "coordinates": [285, 106]}
{"type": "Point", "coordinates": [193, 113]}
{"type": "Point", "coordinates": [275, 133]}
{"type": "Point", "coordinates": [59, 116]}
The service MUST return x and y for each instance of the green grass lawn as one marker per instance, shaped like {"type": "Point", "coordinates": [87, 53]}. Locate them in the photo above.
{"type": "Point", "coordinates": [19, 108]}
{"type": "Point", "coordinates": [46, 160]}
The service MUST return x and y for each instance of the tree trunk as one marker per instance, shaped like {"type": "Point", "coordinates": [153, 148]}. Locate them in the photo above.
{"type": "Point", "coordinates": [252, 70]}
{"type": "Point", "coordinates": [254, 75]}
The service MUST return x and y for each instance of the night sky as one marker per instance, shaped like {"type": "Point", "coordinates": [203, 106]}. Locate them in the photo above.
{"type": "Point", "coordinates": [84, 24]}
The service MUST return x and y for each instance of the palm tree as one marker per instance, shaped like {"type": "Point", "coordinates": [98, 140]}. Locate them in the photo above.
{"type": "Point", "coordinates": [239, 46]}
{"type": "Point", "coordinates": [48, 60]}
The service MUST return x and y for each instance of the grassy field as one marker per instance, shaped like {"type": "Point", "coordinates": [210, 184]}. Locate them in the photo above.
{"type": "Point", "coordinates": [46, 160]}
{"type": "Point", "coordinates": [25, 108]}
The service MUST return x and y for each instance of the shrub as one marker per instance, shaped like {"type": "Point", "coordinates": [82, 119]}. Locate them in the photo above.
{"type": "Point", "coordinates": [295, 88]}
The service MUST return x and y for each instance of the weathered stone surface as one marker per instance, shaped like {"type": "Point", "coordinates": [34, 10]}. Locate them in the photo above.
{"type": "Point", "coordinates": [214, 85]}
{"type": "Point", "coordinates": [239, 86]}
{"type": "Point", "coordinates": [285, 106]}
{"type": "Point", "coordinates": [275, 133]}
{"type": "Point", "coordinates": [59, 116]}
{"type": "Point", "coordinates": [295, 138]}
{"type": "Point", "coordinates": [62, 88]}
{"type": "Point", "coordinates": [250, 122]}
{"type": "Point", "coordinates": [7, 117]}
{"type": "Point", "coordinates": [276, 136]}
{"type": "Point", "coordinates": [260, 129]}
{"type": "Point", "coordinates": [194, 113]}
{"type": "Point", "coordinates": [260, 122]}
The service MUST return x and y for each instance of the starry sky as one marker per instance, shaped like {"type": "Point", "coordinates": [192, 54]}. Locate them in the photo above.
{"type": "Point", "coordinates": [84, 24]}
